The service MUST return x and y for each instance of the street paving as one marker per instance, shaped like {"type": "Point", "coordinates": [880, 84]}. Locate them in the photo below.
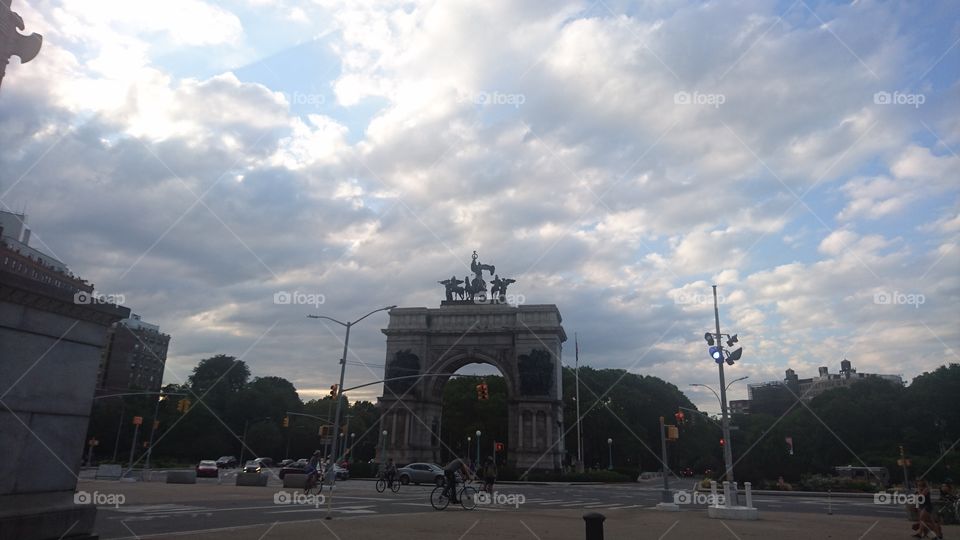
{"type": "Point", "coordinates": [155, 508]}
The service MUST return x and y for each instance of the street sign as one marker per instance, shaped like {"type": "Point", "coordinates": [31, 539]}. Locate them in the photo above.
{"type": "Point", "coordinates": [903, 462]}
{"type": "Point", "coordinates": [137, 420]}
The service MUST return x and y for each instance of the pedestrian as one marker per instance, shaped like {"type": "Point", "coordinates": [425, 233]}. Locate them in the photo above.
{"type": "Point", "coordinates": [489, 475]}
{"type": "Point", "coordinates": [928, 520]}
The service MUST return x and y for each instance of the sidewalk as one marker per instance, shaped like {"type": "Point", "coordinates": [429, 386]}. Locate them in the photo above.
{"type": "Point", "coordinates": [568, 524]}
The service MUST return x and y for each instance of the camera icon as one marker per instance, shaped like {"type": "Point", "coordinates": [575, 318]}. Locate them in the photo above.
{"type": "Point", "coordinates": [882, 98]}
{"type": "Point", "coordinates": [281, 497]}
{"type": "Point", "coordinates": [82, 297]}
{"type": "Point", "coordinates": [882, 498]}
{"type": "Point", "coordinates": [682, 497]}
{"type": "Point", "coordinates": [482, 98]}
{"type": "Point", "coordinates": [681, 98]}
{"type": "Point", "coordinates": [82, 497]}
{"type": "Point", "coordinates": [882, 298]}
{"type": "Point", "coordinates": [282, 297]}
{"type": "Point", "coordinates": [483, 498]}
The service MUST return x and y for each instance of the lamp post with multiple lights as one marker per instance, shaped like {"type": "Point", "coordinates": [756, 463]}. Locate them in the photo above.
{"type": "Point", "coordinates": [721, 356]}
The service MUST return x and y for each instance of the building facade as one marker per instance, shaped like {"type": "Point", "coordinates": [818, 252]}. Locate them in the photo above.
{"type": "Point", "coordinates": [776, 397]}
{"type": "Point", "coordinates": [134, 357]}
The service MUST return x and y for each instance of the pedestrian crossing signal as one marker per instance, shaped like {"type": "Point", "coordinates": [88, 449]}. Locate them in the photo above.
{"type": "Point", "coordinates": [499, 447]}
{"type": "Point", "coordinates": [286, 421]}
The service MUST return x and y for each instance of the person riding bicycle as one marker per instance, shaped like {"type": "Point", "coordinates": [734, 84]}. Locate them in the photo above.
{"type": "Point", "coordinates": [489, 473]}
{"type": "Point", "coordinates": [450, 473]}
{"type": "Point", "coordinates": [312, 468]}
{"type": "Point", "coordinates": [390, 472]}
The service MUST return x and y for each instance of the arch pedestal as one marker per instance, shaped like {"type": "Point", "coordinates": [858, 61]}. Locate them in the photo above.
{"type": "Point", "coordinates": [523, 342]}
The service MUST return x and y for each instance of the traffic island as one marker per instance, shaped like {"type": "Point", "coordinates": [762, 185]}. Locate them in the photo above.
{"type": "Point", "coordinates": [181, 477]}
{"type": "Point", "coordinates": [732, 511]}
{"type": "Point", "coordinates": [252, 479]}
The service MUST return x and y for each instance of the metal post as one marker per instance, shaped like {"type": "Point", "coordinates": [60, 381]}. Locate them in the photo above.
{"type": "Point", "coordinates": [665, 495]}
{"type": "Point", "coordinates": [594, 525]}
{"type": "Point", "coordinates": [116, 444]}
{"type": "Point", "coordinates": [577, 376]}
{"type": "Point", "coordinates": [725, 421]}
{"type": "Point", "coordinates": [478, 448]}
{"type": "Point", "coordinates": [153, 429]}
{"type": "Point", "coordinates": [133, 446]}
{"type": "Point", "coordinates": [243, 441]}
{"type": "Point", "coordinates": [336, 418]}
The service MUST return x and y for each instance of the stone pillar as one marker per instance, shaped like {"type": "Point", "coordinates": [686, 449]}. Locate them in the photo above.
{"type": "Point", "coordinates": [51, 352]}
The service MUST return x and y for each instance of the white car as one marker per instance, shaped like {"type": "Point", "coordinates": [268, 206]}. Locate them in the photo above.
{"type": "Point", "coordinates": [421, 473]}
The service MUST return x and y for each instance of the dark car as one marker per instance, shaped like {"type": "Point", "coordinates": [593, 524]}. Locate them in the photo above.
{"type": "Point", "coordinates": [266, 463]}
{"type": "Point", "coordinates": [252, 466]}
{"type": "Point", "coordinates": [687, 472]}
{"type": "Point", "coordinates": [295, 467]}
{"type": "Point", "coordinates": [420, 473]}
{"type": "Point", "coordinates": [227, 462]}
{"type": "Point", "coordinates": [286, 462]}
{"type": "Point", "coordinates": [208, 467]}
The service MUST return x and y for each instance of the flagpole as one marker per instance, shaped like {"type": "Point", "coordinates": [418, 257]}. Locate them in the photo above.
{"type": "Point", "coordinates": [577, 372]}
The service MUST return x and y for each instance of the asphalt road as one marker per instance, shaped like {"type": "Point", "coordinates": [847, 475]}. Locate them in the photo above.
{"type": "Point", "coordinates": [154, 508]}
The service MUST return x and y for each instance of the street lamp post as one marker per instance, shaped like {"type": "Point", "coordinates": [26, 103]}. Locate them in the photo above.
{"type": "Point", "coordinates": [383, 449]}
{"type": "Point", "coordinates": [343, 368]}
{"type": "Point", "coordinates": [156, 423]}
{"type": "Point", "coordinates": [610, 454]}
{"type": "Point", "coordinates": [469, 440]}
{"type": "Point", "coordinates": [478, 447]}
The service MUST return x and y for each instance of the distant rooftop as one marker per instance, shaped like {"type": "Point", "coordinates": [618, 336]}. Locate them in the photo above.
{"type": "Point", "coordinates": [19, 257]}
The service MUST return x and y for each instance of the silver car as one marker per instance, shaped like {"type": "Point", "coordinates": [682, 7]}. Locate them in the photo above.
{"type": "Point", "coordinates": [421, 473]}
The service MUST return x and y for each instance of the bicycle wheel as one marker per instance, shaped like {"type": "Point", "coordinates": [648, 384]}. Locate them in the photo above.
{"type": "Point", "coordinates": [439, 499]}
{"type": "Point", "coordinates": [395, 486]}
{"type": "Point", "coordinates": [468, 498]}
{"type": "Point", "coordinates": [956, 511]}
{"type": "Point", "coordinates": [381, 485]}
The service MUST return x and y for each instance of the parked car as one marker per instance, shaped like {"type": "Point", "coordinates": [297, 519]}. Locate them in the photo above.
{"type": "Point", "coordinates": [227, 462]}
{"type": "Point", "coordinates": [421, 473]}
{"type": "Point", "coordinates": [686, 471]}
{"type": "Point", "coordinates": [265, 462]}
{"type": "Point", "coordinates": [252, 466]}
{"type": "Point", "coordinates": [208, 467]}
{"type": "Point", "coordinates": [286, 462]}
{"type": "Point", "coordinates": [295, 467]}
{"type": "Point", "coordinates": [300, 467]}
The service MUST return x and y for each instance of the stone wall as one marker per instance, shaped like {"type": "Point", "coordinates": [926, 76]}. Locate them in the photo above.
{"type": "Point", "coordinates": [50, 350]}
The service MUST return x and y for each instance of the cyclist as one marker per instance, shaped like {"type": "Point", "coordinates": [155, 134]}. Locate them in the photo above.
{"type": "Point", "coordinates": [489, 475]}
{"type": "Point", "coordinates": [450, 473]}
{"type": "Point", "coordinates": [928, 521]}
{"type": "Point", "coordinates": [390, 472]}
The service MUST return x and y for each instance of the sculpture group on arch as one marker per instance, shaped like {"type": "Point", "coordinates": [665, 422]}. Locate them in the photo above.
{"type": "Point", "coordinates": [476, 289]}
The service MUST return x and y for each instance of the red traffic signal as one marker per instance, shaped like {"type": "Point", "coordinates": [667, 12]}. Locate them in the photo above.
{"type": "Point", "coordinates": [722, 442]}
{"type": "Point", "coordinates": [333, 390]}
{"type": "Point", "coordinates": [499, 447]}
{"type": "Point", "coordinates": [679, 417]}
{"type": "Point", "coordinates": [483, 391]}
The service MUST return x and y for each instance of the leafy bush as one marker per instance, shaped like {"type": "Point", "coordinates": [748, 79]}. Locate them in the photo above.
{"type": "Point", "coordinates": [819, 482]}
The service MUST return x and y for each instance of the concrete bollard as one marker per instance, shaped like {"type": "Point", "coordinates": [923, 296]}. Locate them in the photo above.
{"type": "Point", "coordinates": [713, 492]}
{"type": "Point", "coordinates": [594, 525]}
{"type": "Point", "coordinates": [251, 479]}
{"type": "Point", "coordinates": [748, 486]}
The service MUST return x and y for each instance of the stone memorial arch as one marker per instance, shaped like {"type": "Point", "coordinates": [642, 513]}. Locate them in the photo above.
{"type": "Point", "coordinates": [523, 342]}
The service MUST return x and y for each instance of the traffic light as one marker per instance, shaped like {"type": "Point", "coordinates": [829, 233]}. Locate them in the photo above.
{"type": "Point", "coordinates": [324, 431]}
{"type": "Point", "coordinates": [735, 355]}
{"type": "Point", "coordinates": [183, 405]}
{"type": "Point", "coordinates": [679, 417]}
{"type": "Point", "coordinates": [716, 354]}
{"type": "Point", "coordinates": [286, 421]}
{"type": "Point", "coordinates": [483, 392]}
{"type": "Point", "coordinates": [333, 390]}
{"type": "Point", "coordinates": [498, 447]}
{"type": "Point", "coordinates": [722, 442]}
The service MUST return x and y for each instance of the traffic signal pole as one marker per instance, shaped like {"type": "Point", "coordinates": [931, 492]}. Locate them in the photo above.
{"type": "Point", "coordinates": [725, 419]}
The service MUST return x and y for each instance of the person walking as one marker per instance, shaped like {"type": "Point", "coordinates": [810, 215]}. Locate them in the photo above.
{"type": "Point", "coordinates": [928, 519]}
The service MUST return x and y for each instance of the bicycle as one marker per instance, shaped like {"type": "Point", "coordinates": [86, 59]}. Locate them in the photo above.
{"type": "Point", "coordinates": [383, 483]}
{"type": "Point", "coordinates": [467, 495]}
{"type": "Point", "coordinates": [948, 510]}
{"type": "Point", "coordinates": [314, 484]}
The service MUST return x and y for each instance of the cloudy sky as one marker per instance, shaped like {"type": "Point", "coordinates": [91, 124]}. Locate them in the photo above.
{"type": "Point", "coordinates": [616, 158]}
